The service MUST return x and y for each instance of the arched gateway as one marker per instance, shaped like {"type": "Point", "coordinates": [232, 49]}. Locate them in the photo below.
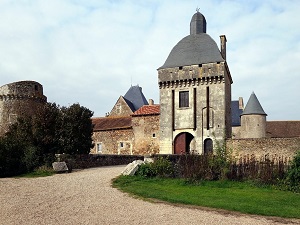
{"type": "Point", "coordinates": [182, 143]}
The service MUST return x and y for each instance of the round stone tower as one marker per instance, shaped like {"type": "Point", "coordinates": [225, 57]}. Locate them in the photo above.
{"type": "Point", "coordinates": [253, 119]}
{"type": "Point", "coordinates": [17, 99]}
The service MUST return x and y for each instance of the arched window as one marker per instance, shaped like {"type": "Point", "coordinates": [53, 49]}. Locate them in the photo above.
{"type": "Point", "coordinates": [208, 146]}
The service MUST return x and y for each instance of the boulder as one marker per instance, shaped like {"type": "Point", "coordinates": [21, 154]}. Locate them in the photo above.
{"type": "Point", "coordinates": [60, 167]}
{"type": "Point", "coordinates": [148, 159]}
{"type": "Point", "coordinates": [131, 168]}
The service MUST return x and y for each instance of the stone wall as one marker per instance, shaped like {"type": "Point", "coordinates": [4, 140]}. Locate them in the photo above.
{"type": "Point", "coordinates": [285, 147]}
{"type": "Point", "coordinates": [210, 80]}
{"type": "Point", "coordinates": [146, 134]}
{"type": "Point", "coordinates": [121, 108]}
{"type": "Point", "coordinates": [118, 141]}
{"type": "Point", "coordinates": [18, 99]}
{"type": "Point", "coordinates": [97, 160]}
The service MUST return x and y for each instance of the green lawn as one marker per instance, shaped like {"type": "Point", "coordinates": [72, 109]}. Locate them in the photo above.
{"type": "Point", "coordinates": [228, 195]}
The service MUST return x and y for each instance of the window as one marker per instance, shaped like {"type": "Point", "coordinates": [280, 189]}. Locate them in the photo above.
{"type": "Point", "coordinates": [183, 99]}
{"type": "Point", "coordinates": [154, 135]}
{"type": "Point", "coordinates": [99, 147]}
{"type": "Point", "coordinates": [121, 144]}
{"type": "Point", "coordinates": [12, 118]}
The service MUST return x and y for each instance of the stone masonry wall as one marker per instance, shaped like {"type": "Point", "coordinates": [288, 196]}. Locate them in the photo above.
{"type": "Point", "coordinates": [121, 108]}
{"type": "Point", "coordinates": [146, 134]}
{"type": "Point", "coordinates": [117, 141]}
{"type": "Point", "coordinates": [17, 99]}
{"type": "Point", "coordinates": [198, 80]}
{"type": "Point", "coordinates": [285, 147]}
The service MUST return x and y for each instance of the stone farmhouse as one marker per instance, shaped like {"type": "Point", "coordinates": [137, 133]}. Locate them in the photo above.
{"type": "Point", "coordinates": [194, 114]}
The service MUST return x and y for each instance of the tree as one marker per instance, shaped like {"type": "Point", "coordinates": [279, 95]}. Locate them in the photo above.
{"type": "Point", "coordinates": [46, 125]}
{"type": "Point", "coordinates": [76, 130]}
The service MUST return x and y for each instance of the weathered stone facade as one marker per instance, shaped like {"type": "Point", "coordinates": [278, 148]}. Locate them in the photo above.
{"type": "Point", "coordinates": [202, 77]}
{"type": "Point", "coordinates": [260, 147]}
{"type": "Point", "coordinates": [146, 133]}
{"type": "Point", "coordinates": [121, 108]}
{"type": "Point", "coordinates": [136, 134]}
{"type": "Point", "coordinates": [17, 99]}
{"type": "Point", "coordinates": [116, 141]}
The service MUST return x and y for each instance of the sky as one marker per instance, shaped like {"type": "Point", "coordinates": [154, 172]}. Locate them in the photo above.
{"type": "Point", "coordinates": [90, 52]}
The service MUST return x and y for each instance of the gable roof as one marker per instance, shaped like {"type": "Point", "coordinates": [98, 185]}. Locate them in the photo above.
{"type": "Point", "coordinates": [135, 98]}
{"type": "Point", "coordinates": [111, 123]}
{"type": "Point", "coordinates": [253, 107]}
{"type": "Point", "coordinates": [147, 110]}
{"type": "Point", "coordinates": [283, 129]}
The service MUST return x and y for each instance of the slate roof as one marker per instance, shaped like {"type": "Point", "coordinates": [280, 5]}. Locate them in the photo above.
{"type": "Point", "coordinates": [253, 107]}
{"type": "Point", "coordinates": [283, 129]}
{"type": "Point", "coordinates": [135, 98]}
{"type": "Point", "coordinates": [111, 123]}
{"type": "Point", "coordinates": [198, 24]}
{"type": "Point", "coordinates": [235, 114]}
{"type": "Point", "coordinates": [196, 48]}
{"type": "Point", "coordinates": [193, 50]}
{"type": "Point", "coordinates": [147, 110]}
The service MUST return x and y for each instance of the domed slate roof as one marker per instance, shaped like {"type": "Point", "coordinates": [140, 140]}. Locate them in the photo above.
{"type": "Point", "coordinates": [253, 107]}
{"type": "Point", "coordinates": [196, 48]}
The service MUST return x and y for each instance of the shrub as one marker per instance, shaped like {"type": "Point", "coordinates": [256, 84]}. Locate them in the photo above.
{"type": "Point", "coordinates": [146, 170]}
{"type": "Point", "coordinates": [161, 167]}
{"type": "Point", "coordinates": [293, 177]}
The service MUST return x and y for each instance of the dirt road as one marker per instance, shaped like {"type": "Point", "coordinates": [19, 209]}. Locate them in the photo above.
{"type": "Point", "coordinates": [86, 197]}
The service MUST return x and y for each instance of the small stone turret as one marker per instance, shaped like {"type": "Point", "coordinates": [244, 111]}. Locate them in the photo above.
{"type": "Point", "coordinates": [253, 119]}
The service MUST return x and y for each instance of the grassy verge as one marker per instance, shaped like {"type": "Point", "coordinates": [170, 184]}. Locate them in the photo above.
{"type": "Point", "coordinates": [228, 195]}
{"type": "Point", "coordinates": [40, 172]}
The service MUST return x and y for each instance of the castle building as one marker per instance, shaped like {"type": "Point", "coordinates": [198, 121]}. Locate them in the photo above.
{"type": "Point", "coordinates": [195, 93]}
{"type": "Point", "coordinates": [131, 127]}
{"type": "Point", "coordinates": [195, 110]}
{"type": "Point", "coordinates": [18, 99]}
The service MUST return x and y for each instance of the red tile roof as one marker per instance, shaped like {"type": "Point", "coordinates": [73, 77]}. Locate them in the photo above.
{"type": "Point", "coordinates": [147, 110]}
{"type": "Point", "coordinates": [283, 129]}
{"type": "Point", "coordinates": [111, 123]}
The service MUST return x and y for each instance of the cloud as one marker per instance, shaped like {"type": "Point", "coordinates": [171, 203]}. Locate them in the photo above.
{"type": "Point", "coordinates": [92, 51]}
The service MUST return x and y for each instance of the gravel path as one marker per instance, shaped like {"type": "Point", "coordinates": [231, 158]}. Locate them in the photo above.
{"type": "Point", "coordinates": [86, 197]}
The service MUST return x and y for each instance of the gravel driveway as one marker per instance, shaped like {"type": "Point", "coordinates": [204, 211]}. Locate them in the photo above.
{"type": "Point", "coordinates": [86, 197]}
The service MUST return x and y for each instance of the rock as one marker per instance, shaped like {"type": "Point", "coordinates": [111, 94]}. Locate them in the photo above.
{"type": "Point", "coordinates": [148, 159]}
{"type": "Point", "coordinates": [131, 168]}
{"type": "Point", "coordinates": [60, 167]}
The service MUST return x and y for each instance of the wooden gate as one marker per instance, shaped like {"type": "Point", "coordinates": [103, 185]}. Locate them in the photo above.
{"type": "Point", "coordinates": [182, 143]}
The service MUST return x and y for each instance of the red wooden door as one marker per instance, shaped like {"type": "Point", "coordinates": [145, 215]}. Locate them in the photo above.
{"type": "Point", "coordinates": [180, 144]}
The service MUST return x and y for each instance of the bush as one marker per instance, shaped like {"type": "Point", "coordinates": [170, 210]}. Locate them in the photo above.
{"type": "Point", "coordinates": [293, 177]}
{"type": "Point", "coordinates": [161, 167]}
{"type": "Point", "coordinates": [146, 170]}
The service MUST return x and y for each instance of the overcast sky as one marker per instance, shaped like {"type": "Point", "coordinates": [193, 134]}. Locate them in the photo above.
{"type": "Point", "coordinates": [91, 51]}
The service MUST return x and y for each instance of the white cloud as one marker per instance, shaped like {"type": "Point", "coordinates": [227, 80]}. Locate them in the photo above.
{"type": "Point", "coordinates": [91, 51]}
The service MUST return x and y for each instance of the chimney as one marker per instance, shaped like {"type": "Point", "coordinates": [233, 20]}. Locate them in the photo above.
{"type": "Point", "coordinates": [151, 101]}
{"type": "Point", "coordinates": [223, 46]}
{"type": "Point", "coordinates": [241, 103]}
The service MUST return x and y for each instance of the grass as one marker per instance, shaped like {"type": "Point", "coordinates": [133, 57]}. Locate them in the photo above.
{"type": "Point", "coordinates": [229, 195]}
{"type": "Point", "coordinates": [40, 172]}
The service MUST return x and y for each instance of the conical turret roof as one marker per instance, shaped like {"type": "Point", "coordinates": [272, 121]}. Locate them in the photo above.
{"type": "Point", "coordinates": [253, 107]}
